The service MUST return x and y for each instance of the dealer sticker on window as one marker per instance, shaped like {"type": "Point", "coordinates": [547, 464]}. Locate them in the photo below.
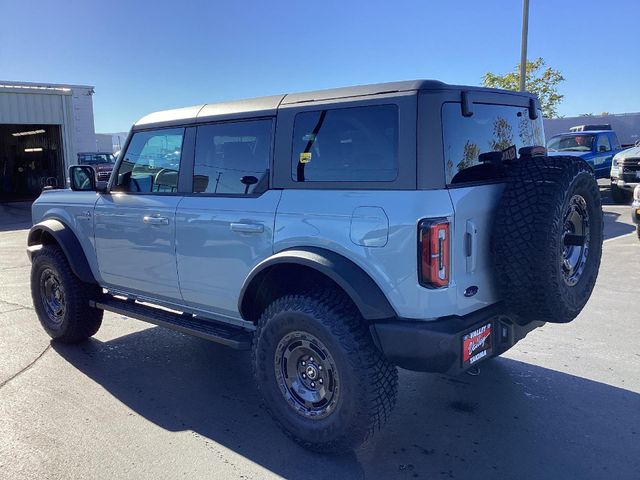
{"type": "Point", "coordinates": [476, 345]}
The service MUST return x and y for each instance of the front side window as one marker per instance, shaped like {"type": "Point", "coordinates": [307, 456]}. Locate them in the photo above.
{"type": "Point", "coordinates": [232, 158]}
{"type": "Point", "coordinates": [571, 143]}
{"type": "Point", "coordinates": [152, 162]}
{"type": "Point", "coordinates": [357, 144]}
{"type": "Point", "coordinates": [491, 128]}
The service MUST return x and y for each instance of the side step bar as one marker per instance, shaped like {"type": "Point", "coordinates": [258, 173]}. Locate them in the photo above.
{"type": "Point", "coordinates": [231, 336]}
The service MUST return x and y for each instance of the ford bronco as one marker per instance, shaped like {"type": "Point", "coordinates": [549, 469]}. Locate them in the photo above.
{"type": "Point", "coordinates": [336, 234]}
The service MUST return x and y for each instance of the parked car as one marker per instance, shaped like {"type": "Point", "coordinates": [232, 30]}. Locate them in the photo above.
{"type": "Point", "coordinates": [625, 174]}
{"type": "Point", "coordinates": [102, 163]}
{"type": "Point", "coordinates": [635, 209]}
{"type": "Point", "coordinates": [337, 234]}
{"type": "Point", "coordinates": [597, 148]}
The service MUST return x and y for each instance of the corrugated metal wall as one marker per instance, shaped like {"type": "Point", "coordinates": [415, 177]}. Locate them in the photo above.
{"type": "Point", "coordinates": [71, 107]}
{"type": "Point", "coordinates": [32, 108]}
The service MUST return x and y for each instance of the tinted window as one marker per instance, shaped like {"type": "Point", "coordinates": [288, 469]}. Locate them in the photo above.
{"type": "Point", "coordinates": [232, 158]}
{"type": "Point", "coordinates": [346, 145]}
{"type": "Point", "coordinates": [152, 162]}
{"type": "Point", "coordinates": [491, 128]}
{"type": "Point", "coordinates": [95, 158]}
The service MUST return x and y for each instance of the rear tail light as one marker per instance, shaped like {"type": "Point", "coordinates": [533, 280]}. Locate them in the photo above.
{"type": "Point", "coordinates": [433, 253]}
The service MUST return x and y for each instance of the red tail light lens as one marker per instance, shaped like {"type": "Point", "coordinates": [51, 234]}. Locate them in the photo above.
{"type": "Point", "coordinates": [433, 252]}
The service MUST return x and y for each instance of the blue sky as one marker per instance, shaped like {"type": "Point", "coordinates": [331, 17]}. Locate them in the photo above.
{"type": "Point", "coordinates": [144, 56]}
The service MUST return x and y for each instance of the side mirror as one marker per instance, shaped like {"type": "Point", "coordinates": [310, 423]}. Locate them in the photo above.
{"type": "Point", "coordinates": [82, 178]}
{"type": "Point", "coordinates": [602, 148]}
{"type": "Point", "coordinates": [247, 181]}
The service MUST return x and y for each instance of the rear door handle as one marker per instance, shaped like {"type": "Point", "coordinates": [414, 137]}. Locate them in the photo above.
{"type": "Point", "coordinates": [155, 220]}
{"type": "Point", "coordinates": [247, 227]}
{"type": "Point", "coordinates": [471, 235]}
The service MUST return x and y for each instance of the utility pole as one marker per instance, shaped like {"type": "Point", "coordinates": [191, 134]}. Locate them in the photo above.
{"type": "Point", "coordinates": [523, 52]}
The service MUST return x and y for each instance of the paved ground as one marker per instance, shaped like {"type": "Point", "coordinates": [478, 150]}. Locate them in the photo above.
{"type": "Point", "coordinates": [141, 402]}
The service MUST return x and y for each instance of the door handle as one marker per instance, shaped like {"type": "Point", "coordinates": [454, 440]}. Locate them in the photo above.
{"type": "Point", "coordinates": [471, 235]}
{"type": "Point", "coordinates": [155, 220]}
{"type": "Point", "coordinates": [247, 227]}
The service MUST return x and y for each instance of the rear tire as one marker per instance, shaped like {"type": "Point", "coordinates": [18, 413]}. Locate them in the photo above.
{"type": "Point", "coordinates": [547, 239]}
{"type": "Point", "coordinates": [320, 375]}
{"type": "Point", "coordinates": [61, 299]}
{"type": "Point", "coordinates": [619, 195]}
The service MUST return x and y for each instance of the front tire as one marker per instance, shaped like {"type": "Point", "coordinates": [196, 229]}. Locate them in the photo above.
{"type": "Point", "coordinates": [61, 299]}
{"type": "Point", "coordinates": [320, 375]}
{"type": "Point", "coordinates": [619, 195]}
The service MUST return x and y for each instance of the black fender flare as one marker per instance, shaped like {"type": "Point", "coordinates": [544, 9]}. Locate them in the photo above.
{"type": "Point", "coordinates": [69, 243]}
{"type": "Point", "coordinates": [358, 285]}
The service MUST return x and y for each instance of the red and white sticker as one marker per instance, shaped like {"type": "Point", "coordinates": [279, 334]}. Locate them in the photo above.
{"type": "Point", "coordinates": [476, 344]}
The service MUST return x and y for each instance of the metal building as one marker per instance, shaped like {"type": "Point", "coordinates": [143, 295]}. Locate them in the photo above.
{"type": "Point", "coordinates": [42, 127]}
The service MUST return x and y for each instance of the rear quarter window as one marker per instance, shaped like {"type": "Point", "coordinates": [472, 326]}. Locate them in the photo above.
{"type": "Point", "coordinates": [358, 144]}
{"type": "Point", "coordinates": [490, 128]}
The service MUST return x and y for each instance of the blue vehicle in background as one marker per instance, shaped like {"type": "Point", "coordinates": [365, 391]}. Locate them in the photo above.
{"type": "Point", "coordinates": [596, 147]}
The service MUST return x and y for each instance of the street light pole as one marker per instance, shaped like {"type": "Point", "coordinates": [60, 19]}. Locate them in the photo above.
{"type": "Point", "coordinates": [523, 52]}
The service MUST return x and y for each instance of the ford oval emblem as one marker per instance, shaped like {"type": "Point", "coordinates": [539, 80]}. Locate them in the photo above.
{"type": "Point", "coordinates": [471, 291]}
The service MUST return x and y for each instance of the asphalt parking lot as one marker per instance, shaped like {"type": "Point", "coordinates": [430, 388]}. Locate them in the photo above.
{"type": "Point", "coordinates": [141, 402]}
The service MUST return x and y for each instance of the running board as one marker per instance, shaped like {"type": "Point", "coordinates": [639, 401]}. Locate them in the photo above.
{"type": "Point", "coordinates": [228, 335]}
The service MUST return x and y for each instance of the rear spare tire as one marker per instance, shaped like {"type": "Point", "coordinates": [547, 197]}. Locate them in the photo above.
{"type": "Point", "coordinates": [547, 239]}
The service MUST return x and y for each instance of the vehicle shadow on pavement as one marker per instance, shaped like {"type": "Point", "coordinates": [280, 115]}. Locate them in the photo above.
{"type": "Point", "coordinates": [515, 420]}
{"type": "Point", "coordinates": [613, 227]}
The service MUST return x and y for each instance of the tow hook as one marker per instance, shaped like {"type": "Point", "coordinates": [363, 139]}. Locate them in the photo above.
{"type": "Point", "coordinates": [473, 371]}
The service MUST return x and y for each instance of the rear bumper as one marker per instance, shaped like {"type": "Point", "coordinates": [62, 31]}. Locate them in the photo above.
{"type": "Point", "coordinates": [436, 346]}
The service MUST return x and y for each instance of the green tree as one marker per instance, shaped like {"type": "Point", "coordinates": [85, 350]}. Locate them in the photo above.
{"type": "Point", "coordinates": [540, 79]}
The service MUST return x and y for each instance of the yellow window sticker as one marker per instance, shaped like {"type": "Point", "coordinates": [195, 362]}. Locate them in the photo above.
{"type": "Point", "coordinates": [305, 157]}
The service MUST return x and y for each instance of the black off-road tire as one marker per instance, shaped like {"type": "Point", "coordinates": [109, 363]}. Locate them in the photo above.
{"type": "Point", "coordinates": [530, 236]}
{"type": "Point", "coordinates": [76, 321]}
{"type": "Point", "coordinates": [619, 195]}
{"type": "Point", "coordinates": [367, 382]}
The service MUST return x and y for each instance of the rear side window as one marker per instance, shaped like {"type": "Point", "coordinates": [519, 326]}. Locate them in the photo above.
{"type": "Point", "coordinates": [615, 142]}
{"type": "Point", "coordinates": [152, 162]}
{"type": "Point", "coordinates": [358, 144]}
{"type": "Point", "coordinates": [232, 158]}
{"type": "Point", "coordinates": [603, 143]}
{"type": "Point", "coordinates": [491, 128]}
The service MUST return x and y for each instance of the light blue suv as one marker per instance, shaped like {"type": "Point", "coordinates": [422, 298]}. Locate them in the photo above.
{"type": "Point", "coordinates": [337, 234]}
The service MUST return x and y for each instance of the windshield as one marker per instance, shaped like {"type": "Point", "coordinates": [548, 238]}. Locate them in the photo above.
{"type": "Point", "coordinates": [491, 128]}
{"type": "Point", "coordinates": [570, 143]}
{"type": "Point", "coordinates": [95, 158]}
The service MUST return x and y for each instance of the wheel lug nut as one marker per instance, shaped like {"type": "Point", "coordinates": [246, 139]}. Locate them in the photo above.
{"type": "Point", "coordinates": [304, 363]}
{"type": "Point", "coordinates": [320, 381]}
{"type": "Point", "coordinates": [313, 384]}
{"type": "Point", "coordinates": [311, 359]}
{"type": "Point", "coordinates": [319, 367]}
{"type": "Point", "coordinates": [304, 375]}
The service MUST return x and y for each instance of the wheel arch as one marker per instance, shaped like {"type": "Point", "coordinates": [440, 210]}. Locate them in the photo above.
{"type": "Point", "coordinates": [53, 231]}
{"type": "Point", "coordinates": [310, 266]}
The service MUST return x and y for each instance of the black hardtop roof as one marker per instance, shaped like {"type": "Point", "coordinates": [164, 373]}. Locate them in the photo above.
{"type": "Point", "coordinates": [267, 106]}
